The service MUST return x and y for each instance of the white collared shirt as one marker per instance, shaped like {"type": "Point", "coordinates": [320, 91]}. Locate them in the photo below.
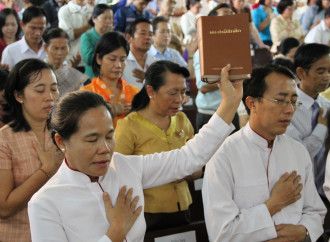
{"type": "Point", "coordinates": [239, 179]}
{"type": "Point", "coordinates": [188, 25]}
{"type": "Point", "coordinates": [319, 34]}
{"type": "Point", "coordinates": [69, 207]}
{"type": "Point", "coordinates": [131, 64]}
{"type": "Point", "coordinates": [301, 124]}
{"type": "Point", "coordinates": [169, 54]}
{"type": "Point", "coordinates": [20, 50]}
{"type": "Point", "coordinates": [70, 17]}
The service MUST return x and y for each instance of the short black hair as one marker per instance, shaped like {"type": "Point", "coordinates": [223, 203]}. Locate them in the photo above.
{"type": "Point", "coordinates": [256, 85]}
{"type": "Point", "coordinates": [67, 113]}
{"type": "Point", "coordinates": [287, 44]}
{"type": "Point", "coordinates": [131, 28]}
{"type": "Point", "coordinates": [156, 21]}
{"type": "Point", "coordinates": [108, 43]}
{"type": "Point", "coordinates": [327, 12]}
{"type": "Point", "coordinates": [33, 12]}
{"type": "Point", "coordinates": [193, 2]}
{"type": "Point", "coordinates": [3, 77]}
{"type": "Point", "coordinates": [213, 12]}
{"type": "Point", "coordinates": [97, 11]}
{"type": "Point", "coordinates": [37, 3]}
{"type": "Point", "coordinates": [307, 54]}
{"type": "Point", "coordinates": [53, 33]}
{"type": "Point", "coordinates": [3, 15]}
{"type": "Point", "coordinates": [22, 74]}
{"type": "Point", "coordinates": [155, 77]}
{"type": "Point", "coordinates": [283, 4]}
{"type": "Point", "coordinates": [284, 62]}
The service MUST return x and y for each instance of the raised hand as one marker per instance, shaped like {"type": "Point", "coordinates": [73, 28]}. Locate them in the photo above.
{"type": "Point", "coordinates": [139, 74]}
{"type": "Point", "coordinates": [122, 215]}
{"type": "Point", "coordinates": [285, 192]}
{"type": "Point", "coordinates": [75, 60]}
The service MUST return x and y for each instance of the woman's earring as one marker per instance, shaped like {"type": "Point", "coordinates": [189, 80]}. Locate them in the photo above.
{"type": "Point", "coordinates": [150, 97]}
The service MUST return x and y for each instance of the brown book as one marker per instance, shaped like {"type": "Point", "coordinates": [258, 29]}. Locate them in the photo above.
{"type": "Point", "coordinates": [224, 40]}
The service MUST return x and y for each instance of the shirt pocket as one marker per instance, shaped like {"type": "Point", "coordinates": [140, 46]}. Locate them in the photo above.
{"type": "Point", "coordinates": [250, 194]}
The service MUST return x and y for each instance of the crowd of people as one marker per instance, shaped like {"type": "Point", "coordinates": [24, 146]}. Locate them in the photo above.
{"type": "Point", "coordinates": [95, 144]}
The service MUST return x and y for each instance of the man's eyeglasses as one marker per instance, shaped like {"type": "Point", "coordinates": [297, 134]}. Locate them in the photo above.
{"type": "Point", "coordinates": [284, 103]}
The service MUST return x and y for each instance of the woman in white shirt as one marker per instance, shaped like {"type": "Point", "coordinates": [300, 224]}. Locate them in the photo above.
{"type": "Point", "coordinates": [75, 204]}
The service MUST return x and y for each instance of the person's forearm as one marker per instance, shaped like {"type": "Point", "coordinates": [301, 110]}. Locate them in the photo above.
{"type": "Point", "coordinates": [227, 109]}
{"type": "Point", "coordinates": [255, 35]}
{"type": "Point", "coordinates": [264, 24]}
{"type": "Point", "coordinates": [78, 32]}
{"type": "Point", "coordinates": [208, 88]}
{"type": "Point", "coordinates": [18, 198]}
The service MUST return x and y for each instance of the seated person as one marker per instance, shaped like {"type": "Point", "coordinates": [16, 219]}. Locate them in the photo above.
{"type": "Point", "coordinates": [108, 65]}
{"type": "Point", "coordinates": [155, 124]}
{"type": "Point", "coordinates": [259, 186]}
{"type": "Point", "coordinates": [287, 49]}
{"type": "Point", "coordinates": [31, 45]}
{"type": "Point", "coordinates": [124, 16]}
{"type": "Point", "coordinates": [284, 26]}
{"type": "Point", "coordinates": [57, 48]}
{"type": "Point", "coordinates": [320, 33]}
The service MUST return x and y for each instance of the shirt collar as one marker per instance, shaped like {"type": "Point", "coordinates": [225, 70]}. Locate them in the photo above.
{"type": "Point", "coordinates": [255, 137]}
{"type": "Point", "coordinates": [25, 47]}
{"type": "Point", "coordinates": [153, 51]}
{"type": "Point", "coordinates": [76, 8]}
{"type": "Point", "coordinates": [306, 100]}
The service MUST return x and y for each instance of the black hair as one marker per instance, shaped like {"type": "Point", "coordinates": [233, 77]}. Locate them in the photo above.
{"type": "Point", "coordinates": [320, 6]}
{"type": "Point", "coordinates": [33, 12]}
{"type": "Point", "coordinates": [3, 77]}
{"type": "Point", "coordinates": [22, 74]}
{"type": "Point", "coordinates": [284, 62]}
{"type": "Point", "coordinates": [287, 44]}
{"type": "Point", "coordinates": [108, 43]}
{"type": "Point", "coordinates": [130, 29]}
{"type": "Point", "coordinates": [37, 3]}
{"type": "Point", "coordinates": [262, 2]}
{"type": "Point", "coordinates": [67, 113]}
{"type": "Point", "coordinates": [327, 140]}
{"type": "Point", "coordinates": [327, 12]}
{"type": "Point", "coordinates": [155, 77]}
{"type": "Point", "coordinates": [213, 12]}
{"type": "Point", "coordinates": [193, 2]}
{"type": "Point", "coordinates": [256, 85]}
{"type": "Point", "coordinates": [156, 21]}
{"type": "Point", "coordinates": [3, 15]}
{"type": "Point", "coordinates": [97, 11]}
{"type": "Point", "coordinates": [54, 33]}
{"type": "Point", "coordinates": [307, 54]}
{"type": "Point", "coordinates": [283, 4]}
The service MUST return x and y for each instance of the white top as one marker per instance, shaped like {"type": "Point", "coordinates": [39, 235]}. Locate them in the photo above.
{"type": "Point", "coordinates": [70, 17]}
{"type": "Point", "coordinates": [319, 34]}
{"type": "Point", "coordinates": [20, 50]}
{"type": "Point", "coordinates": [236, 185]}
{"type": "Point", "coordinates": [131, 64]}
{"type": "Point", "coordinates": [188, 25]}
{"type": "Point", "coordinates": [301, 124]}
{"type": "Point", "coordinates": [70, 208]}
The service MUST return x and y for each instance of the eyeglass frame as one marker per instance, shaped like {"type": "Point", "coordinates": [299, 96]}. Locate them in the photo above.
{"type": "Point", "coordinates": [283, 103]}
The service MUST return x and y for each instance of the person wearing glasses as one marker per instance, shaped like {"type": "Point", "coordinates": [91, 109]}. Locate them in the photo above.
{"type": "Point", "coordinates": [308, 126]}
{"type": "Point", "coordinates": [259, 185]}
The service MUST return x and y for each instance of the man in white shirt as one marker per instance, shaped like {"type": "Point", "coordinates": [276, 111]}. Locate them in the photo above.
{"type": "Point", "coordinates": [31, 45]}
{"type": "Point", "coordinates": [73, 19]}
{"type": "Point", "coordinates": [308, 126]}
{"type": "Point", "coordinates": [138, 35]}
{"type": "Point", "coordinates": [259, 185]}
{"type": "Point", "coordinates": [321, 32]}
{"type": "Point", "coordinates": [188, 20]}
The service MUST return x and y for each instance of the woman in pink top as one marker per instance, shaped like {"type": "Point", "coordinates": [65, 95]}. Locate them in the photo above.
{"type": "Point", "coordinates": [28, 157]}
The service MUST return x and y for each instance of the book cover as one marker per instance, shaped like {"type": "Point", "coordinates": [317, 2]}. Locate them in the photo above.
{"type": "Point", "coordinates": [224, 40]}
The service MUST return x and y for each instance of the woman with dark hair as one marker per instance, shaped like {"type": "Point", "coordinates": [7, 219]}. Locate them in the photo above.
{"type": "Point", "coordinates": [57, 48]}
{"type": "Point", "coordinates": [155, 124]}
{"type": "Point", "coordinates": [287, 48]}
{"type": "Point", "coordinates": [86, 200]}
{"type": "Point", "coordinates": [108, 65]}
{"type": "Point", "coordinates": [10, 28]}
{"type": "Point", "coordinates": [28, 157]}
{"type": "Point", "coordinates": [313, 15]}
{"type": "Point", "coordinates": [284, 26]}
{"type": "Point", "coordinates": [101, 22]}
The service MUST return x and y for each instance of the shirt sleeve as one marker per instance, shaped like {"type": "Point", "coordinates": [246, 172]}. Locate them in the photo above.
{"type": "Point", "coordinates": [314, 208]}
{"type": "Point", "coordinates": [185, 161]}
{"type": "Point", "coordinates": [64, 21]}
{"type": "Point", "coordinates": [307, 19]}
{"type": "Point", "coordinates": [224, 220]}
{"type": "Point", "coordinates": [7, 58]}
{"type": "Point", "coordinates": [257, 19]}
{"type": "Point", "coordinates": [124, 137]}
{"type": "Point", "coordinates": [87, 48]}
